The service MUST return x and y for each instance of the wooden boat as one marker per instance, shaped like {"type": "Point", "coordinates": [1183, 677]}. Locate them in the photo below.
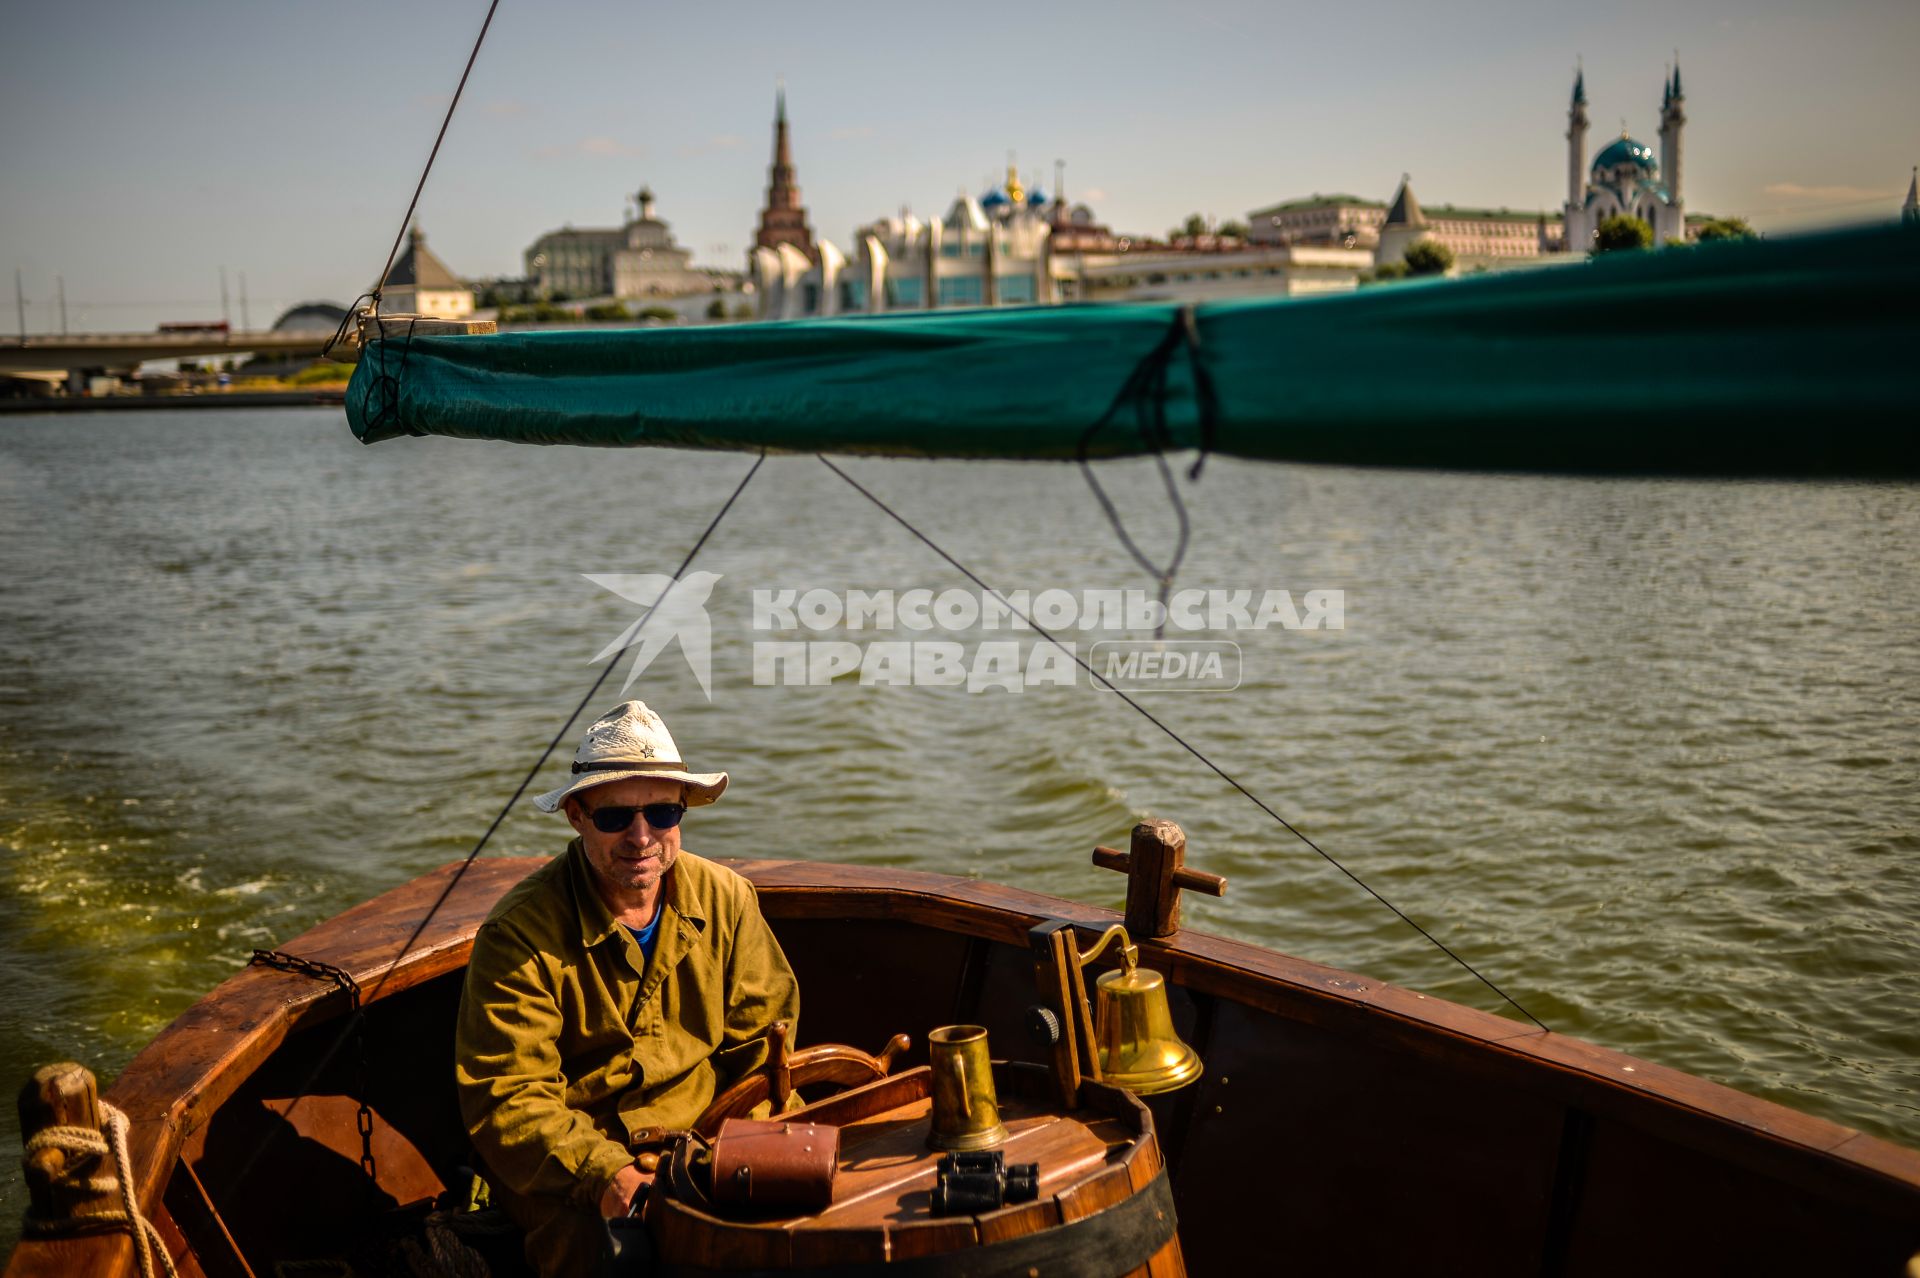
{"type": "Point", "coordinates": [1342, 1125]}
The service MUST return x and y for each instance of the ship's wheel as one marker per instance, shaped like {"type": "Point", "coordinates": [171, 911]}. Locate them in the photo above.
{"type": "Point", "coordinates": [787, 1071]}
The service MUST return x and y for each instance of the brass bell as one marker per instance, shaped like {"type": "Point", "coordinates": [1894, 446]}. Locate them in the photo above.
{"type": "Point", "coordinates": [1139, 1049]}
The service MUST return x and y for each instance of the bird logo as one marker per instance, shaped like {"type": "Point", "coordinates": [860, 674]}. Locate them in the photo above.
{"type": "Point", "coordinates": [675, 609]}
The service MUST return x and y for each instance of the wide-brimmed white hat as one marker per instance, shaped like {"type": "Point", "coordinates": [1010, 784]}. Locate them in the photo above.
{"type": "Point", "coordinates": [631, 741]}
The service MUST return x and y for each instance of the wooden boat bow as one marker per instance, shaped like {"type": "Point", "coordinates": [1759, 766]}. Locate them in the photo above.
{"type": "Point", "coordinates": [1355, 1093]}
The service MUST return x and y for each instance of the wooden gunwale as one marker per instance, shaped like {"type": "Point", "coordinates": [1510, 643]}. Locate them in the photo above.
{"type": "Point", "coordinates": [196, 1063]}
{"type": "Point", "coordinates": [1791, 1145]}
{"type": "Point", "coordinates": [178, 1081]}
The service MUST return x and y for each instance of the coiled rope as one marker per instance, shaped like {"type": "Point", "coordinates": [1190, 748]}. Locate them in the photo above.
{"type": "Point", "coordinates": [83, 1143]}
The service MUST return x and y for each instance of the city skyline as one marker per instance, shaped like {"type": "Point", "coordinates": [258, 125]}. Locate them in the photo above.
{"type": "Point", "coordinates": [144, 159]}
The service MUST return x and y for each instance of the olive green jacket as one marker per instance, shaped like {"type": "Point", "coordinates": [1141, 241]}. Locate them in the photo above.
{"type": "Point", "coordinates": [569, 1042]}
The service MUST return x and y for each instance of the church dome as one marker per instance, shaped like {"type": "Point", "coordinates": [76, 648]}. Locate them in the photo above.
{"type": "Point", "coordinates": [1036, 198]}
{"type": "Point", "coordinates": [1625, 150]}
{"type": "Point", "coordinates": [994, 200]}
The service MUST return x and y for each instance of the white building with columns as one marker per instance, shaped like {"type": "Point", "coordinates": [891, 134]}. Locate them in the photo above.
{"type": "Point", "coordinates": [1625, 177]}
{"type": "Point", "coordinates": [1005, 249]}
{"type": "Point", "coordinates": [991, 252]}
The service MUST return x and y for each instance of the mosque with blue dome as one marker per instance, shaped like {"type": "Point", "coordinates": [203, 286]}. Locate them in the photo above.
{"type": "Point", "coordinates": [1625, 177]}
{"type": "Point", "coordinates": [1019, 245]}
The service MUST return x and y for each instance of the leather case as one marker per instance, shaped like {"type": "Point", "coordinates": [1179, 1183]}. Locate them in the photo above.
{"type": "Point", "coordinates": [774, 1163]}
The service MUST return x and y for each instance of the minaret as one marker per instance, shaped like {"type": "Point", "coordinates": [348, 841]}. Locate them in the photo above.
{"type": "Point", "coordinates": [1578, 232]}
{"type": "Point", "coordinates": [1672, 117]}
{"type": "Point", "coordinates": [1910, 211]}
{"type": "Point", "coordinates": [783, 220]}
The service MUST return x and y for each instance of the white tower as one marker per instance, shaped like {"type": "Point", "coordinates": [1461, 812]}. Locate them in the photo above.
{"type": "Point", "coordinates": [1578, 232]}
{"type": "Point", "coordinates": [1672, 117]}
{"type": "Point", "coordinates": [1406, 225]}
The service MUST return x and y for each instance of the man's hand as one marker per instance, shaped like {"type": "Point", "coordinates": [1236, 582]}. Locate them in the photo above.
{"type": "Point", "coordinates": [626, 1188]}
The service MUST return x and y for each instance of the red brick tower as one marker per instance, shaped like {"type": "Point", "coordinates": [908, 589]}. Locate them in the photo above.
{"type": "Point", "coordinates": [783, 220]}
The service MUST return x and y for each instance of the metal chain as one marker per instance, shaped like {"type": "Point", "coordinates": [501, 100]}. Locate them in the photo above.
{"type": "Point", "coordinates": [342, 978]}
{"type": "Point", "coordinates": [309, 967]}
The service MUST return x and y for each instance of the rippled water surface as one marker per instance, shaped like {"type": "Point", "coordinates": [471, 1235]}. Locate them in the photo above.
{"type": "Point", "coordinates": [1641, 750]}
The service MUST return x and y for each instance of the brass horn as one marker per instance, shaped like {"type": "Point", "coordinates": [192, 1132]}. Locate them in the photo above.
{"type": "Point", "coordinates": [1133, 1027]}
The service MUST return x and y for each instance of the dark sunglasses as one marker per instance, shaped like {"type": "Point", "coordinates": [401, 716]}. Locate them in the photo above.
{"type": "Point", "coordinates": [661, 816]}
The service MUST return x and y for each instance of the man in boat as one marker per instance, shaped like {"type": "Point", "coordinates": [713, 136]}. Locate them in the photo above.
{"type": "Point", "coordinates": [615, 990]}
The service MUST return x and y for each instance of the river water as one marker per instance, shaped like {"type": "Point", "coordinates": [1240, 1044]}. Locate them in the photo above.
{"type": "Point", "coordinates": [1641, 750]}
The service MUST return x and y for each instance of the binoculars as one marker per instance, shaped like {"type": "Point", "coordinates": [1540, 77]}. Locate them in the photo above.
{"type": "Point", "coordinates": [979, 1181]}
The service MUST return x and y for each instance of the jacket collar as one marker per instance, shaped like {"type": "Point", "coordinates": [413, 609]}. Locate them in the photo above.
{"type": "Point", "coordinates": [596, 919]}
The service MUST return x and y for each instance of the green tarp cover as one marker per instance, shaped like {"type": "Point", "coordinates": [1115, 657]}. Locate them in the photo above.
{"type": "Point", "coordinates": [1790, 356]}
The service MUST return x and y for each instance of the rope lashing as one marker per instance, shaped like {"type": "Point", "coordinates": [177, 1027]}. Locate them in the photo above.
{"type": "Point", "coordinates": [385, 389]}
{"type": "Point", "coordinates": [1145, 391]}
{"type": "Point", "coordinates": [84, 1145]}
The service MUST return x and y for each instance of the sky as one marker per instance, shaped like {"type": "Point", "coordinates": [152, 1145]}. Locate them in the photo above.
{"type": "Point", "coordinates": [144, 147]}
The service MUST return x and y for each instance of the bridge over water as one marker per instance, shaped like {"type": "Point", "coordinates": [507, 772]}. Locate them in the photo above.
{"type": "Point", "coordinates": [122, 351]}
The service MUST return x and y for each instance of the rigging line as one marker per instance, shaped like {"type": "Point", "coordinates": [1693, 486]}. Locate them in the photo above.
{"type": "Point", "coordinates": [566, 727]}
{"type": "Point", "coordinates": [1163, 577]}
{"type": "Point", "coordinates": [387, 388]}
{"type": "Point", "coordinates": [1180, 741]}
{"type": "Point", "coordinates": [372, 993]}
{"type": "Point", "coordinates": [434, 154]}
{"type": "Point", "coordinates": [1146, 389]}
{"type": "Point", "coordinates": [346, 321]}
{"type": "Point", "coordinates": [381, 282]}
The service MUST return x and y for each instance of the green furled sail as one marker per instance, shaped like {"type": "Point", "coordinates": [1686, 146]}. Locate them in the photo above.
{"type": "Point", "coordinates": [1793, 356]}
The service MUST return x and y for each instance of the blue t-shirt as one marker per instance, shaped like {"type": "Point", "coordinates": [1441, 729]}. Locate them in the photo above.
{"type": "Point", "coordinates": [648, 935]}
